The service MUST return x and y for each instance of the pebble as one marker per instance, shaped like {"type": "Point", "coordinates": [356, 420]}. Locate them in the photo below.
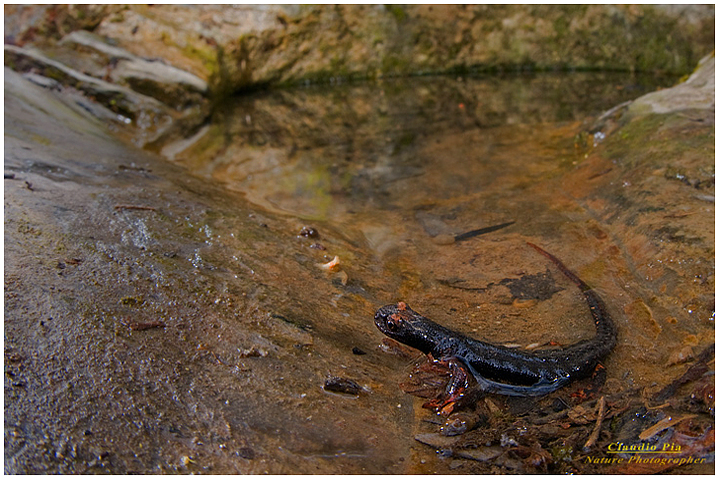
{"type": "Point", "coordinates": [680, 355]}
{"type": "Point", "coordinates": [342, 385]}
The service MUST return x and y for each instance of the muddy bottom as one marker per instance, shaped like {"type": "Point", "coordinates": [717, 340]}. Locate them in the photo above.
{"type": "Point", "coordinates": [193, 317]}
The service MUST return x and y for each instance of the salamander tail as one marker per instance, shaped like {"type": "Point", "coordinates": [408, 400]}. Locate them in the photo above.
{"type": "Point", "coordinates": [576, 280]}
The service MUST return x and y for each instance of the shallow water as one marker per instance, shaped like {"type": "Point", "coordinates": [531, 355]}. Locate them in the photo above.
{"type": "Point", "coordinates": [333, 153]}
{"type": "Point", "coordinates": [389, 172]}
{"type": "Point", "coordinates": [394, 169]}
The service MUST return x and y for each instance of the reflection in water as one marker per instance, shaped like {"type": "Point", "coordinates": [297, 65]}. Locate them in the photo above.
{"type": "Point", "coordinates": [331, 154]}
{"type": "Point", "coordinates": [374, 160]}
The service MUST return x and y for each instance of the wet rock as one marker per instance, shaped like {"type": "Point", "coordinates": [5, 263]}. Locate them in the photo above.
{"type": "Point", "coordinates": [436, 440]}
{"type": "Point", "coordinates": [153, 396]}
{"type": "Point", "coordinates": [308, 232]}
{"type": "Point", "coordinates": [650, 201]}
{"type": "Point", "coordinates": [434, 225]}
{"type": "Point", "coordinates": [246, 452]}
{"type": "Point", "coordinates": [539, 286]}
{"type": "Point", "coordinates": [705, 393]}
{"type": "Point", "coordinates": [394, 40]}
{"type": "Point", "coordinates": [253, 351]}
{"type": "Point", "coordinates": [128, 105]}
{"type": "Point", "coordinates": [443, 239]}
{"type": "Point", "coordinates": [461, 422]}
{"type": "Point", "coordinates": [681, 355]}
{"type": "Point", "coordinates": [44, 82]}
{"type": "Point", "coordinates": [451, 447]}
{"type": "Point", "coordinates": [172, 86]}
{"type": "Point", "coordinates": [697, 92]}
{"type": "Point", "coordinates": [244, 47]}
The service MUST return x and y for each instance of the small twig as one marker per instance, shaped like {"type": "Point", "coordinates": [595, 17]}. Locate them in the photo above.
{"type": "Point", "coordinates": [481, 231]}
{"type": "Point", "coordinates": [599, 174]}
{"type": "Point", "coordinates": [551, 417]}
{"type": "Point", "coordinates": [656, 407]}
{"type": "Point", "coordinates": [133, 207]}
{"type": "Point", "coordinates": [596, 431]}
{"type": "Point", "coordinates": [140, 326]}
{"type": "Point", "coordinates": [678, 215]}
{"type": "Point", "coordinates": [663, 424]}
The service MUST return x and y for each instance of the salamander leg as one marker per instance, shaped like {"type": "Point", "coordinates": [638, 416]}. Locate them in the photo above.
{"type": "Point", "coordinates": [455, 389]}
{"type": "Point", "coordinates": [445, 382]}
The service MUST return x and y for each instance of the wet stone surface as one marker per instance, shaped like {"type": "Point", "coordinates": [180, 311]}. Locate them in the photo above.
{"type": "Point", "coordinates": [149, 326]}
{"type": "Point", "coordinates": [165, 318]}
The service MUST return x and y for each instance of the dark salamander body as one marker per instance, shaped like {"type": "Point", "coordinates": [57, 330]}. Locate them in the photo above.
{"type": "Point", "coordinates": [500, 369]}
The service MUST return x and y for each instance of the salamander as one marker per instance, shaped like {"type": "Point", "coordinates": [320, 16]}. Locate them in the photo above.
{"type": "Point", "coordinates": [499, 369]}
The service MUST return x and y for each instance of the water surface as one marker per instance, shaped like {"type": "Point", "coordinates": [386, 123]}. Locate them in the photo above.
{"type": "Point", "coordinates": [389, 172]}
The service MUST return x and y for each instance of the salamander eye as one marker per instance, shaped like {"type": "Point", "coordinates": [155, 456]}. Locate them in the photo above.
{"type": "Point", "coordinates": [394, 323]}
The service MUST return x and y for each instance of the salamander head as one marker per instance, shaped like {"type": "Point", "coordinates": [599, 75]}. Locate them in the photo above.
{"type": "Point", "coordinates": [403, 324]}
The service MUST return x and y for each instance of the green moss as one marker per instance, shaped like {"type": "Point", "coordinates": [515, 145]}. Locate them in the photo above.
{"type": "Point", "coordinates": [665, 142]}
{"type": "Point", "coordinates": [207, 56]}
{"type": "Point", "coordinates": [398, 12]}
{"type": "Point", "coordinates": [209, 146]}
{"type": "Point", "coordinates": [165, 39]}
{"type": "Point", "coordinates": [561, 25]}
{"type": "Point", "coordinates": [393, 65]}
{"type": "Point", "coordinates": [583, 38]}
